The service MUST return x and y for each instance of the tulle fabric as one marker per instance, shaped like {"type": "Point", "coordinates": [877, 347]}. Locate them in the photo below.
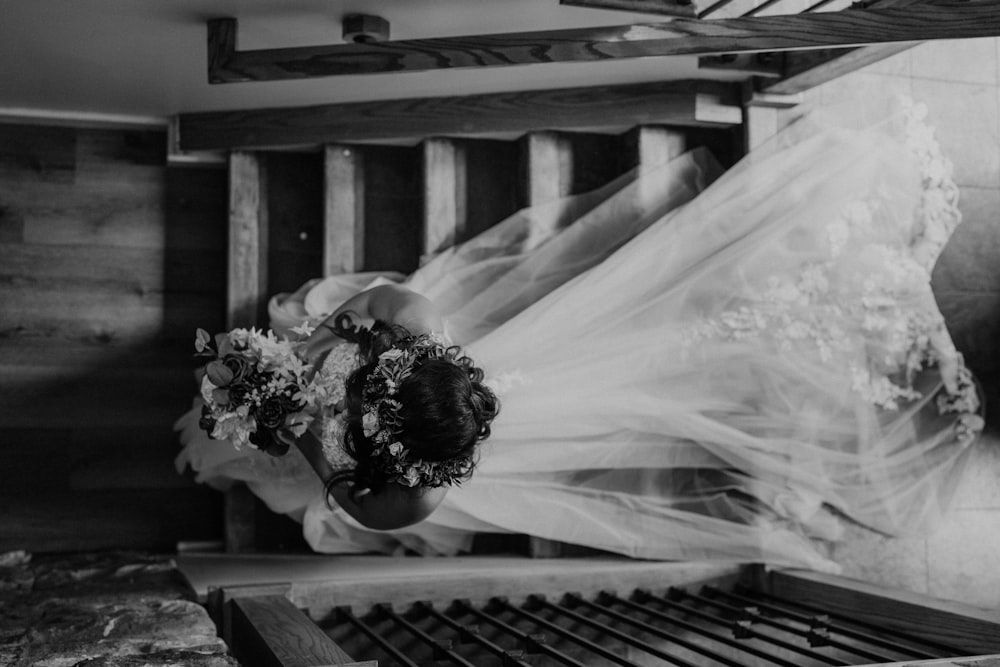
{"type": "Point", "coordinates": [686, 372]}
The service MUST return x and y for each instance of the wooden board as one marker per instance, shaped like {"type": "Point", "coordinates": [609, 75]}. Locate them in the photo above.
{"type": "Point", "coordinates": [681, 103]}
{"type": "Point", "coordinates": [680, 36]}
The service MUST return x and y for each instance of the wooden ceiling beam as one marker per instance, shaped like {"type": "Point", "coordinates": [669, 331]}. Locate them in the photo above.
{"type": "Point", "coordinates": [682, 103]}
{"type": "Point", "coordinates": [681, 8]}
{"type": "Point", "coordinates": [851, 27]}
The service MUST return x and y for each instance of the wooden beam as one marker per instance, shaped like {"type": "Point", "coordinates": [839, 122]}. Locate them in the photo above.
{"type": "Point", "coordinates": [444, 195]}
{"type": "Point", "coordinates": [269, 631]}
{"type": "Point", "coordinates": [852, 27]}
{"type": "Point", "coordinates": [343, 210]}
{"type": "Point", "coordinates": [682, 103]}
{"type": "Point", "coordinates": [657, 146]}
{"type": "Point", "coordinates": [247, 266]}
{"type": "Point", "coordinates": [682, 8]}
{"type": "Point", "coordinates": [246, 283]}
{"type": "Point", "coordinates": [548, 167]}
{"type": "Point", "coordinates": [808, 69]}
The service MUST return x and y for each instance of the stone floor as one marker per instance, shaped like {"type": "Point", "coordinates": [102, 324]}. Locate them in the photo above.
{"type": "Point", "coordinates": [102, 610]}
{"type": "Point", "coordinates": [959, 81]}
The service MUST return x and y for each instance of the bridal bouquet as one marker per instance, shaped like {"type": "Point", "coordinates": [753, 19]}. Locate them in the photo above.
{"type": "Point", "coordinates": [257, 389]}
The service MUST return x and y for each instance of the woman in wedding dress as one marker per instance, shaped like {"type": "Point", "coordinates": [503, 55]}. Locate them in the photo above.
{"type": "Point", "coordinates": [691, 366]}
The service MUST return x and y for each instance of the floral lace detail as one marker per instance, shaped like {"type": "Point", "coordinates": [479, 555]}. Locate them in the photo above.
{"type": "Point", "coordinates": [872, 281]}
{"type": "Point", "coordinates": [338, 365]}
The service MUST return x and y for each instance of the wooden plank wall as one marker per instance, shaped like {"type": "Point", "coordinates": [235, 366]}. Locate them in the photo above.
{"type": "Point", "coordinates": [108, 261]}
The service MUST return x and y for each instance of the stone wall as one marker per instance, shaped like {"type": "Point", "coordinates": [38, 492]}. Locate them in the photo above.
{"type": "Point", "coordinates": [110, 609]}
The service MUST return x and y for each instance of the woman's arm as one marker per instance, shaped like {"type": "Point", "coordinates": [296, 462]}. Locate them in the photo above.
{"type": "Point", "coordinates": [395, 506]}
{"type": "Point", "coordinates": [389, 303]}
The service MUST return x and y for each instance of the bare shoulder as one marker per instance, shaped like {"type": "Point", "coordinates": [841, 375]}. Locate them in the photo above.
{"type": "Point", "coordinates": [394, 506]}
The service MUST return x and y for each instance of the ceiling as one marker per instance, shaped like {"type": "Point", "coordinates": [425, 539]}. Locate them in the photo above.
{"type": "Point", "coordinates": [146, 59]}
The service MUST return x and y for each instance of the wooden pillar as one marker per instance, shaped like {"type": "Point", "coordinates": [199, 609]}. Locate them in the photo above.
{"type": "Point", "coordinates": [445, 183]}
{"type": "Point", "coordinates": [343, 210]}
{"type": "Point", "coordinates": [652, 146]}
{"type": "Point", "coordinates": [247, 265]}
{"type": "Point", "coordinates": [548, 167]}
{"type": "Point", "coordinates": [245, 295]}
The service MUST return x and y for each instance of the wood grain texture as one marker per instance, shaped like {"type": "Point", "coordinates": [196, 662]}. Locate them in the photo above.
{"type": "Point", "coordinates": [343, 210]}
{"type": "Point", "coordinates": [975, 630]}
{"type": "Point", "coordinates": [247, 274]}
{"type": "Point", "coordinates": [444, 194]}
{"type": "Point", "coordinates": [270, 631]}
{"type": "Point", "coordinates": [808, 69]}
{"type": "Point", "coordinates": [854, 27]}
{"type": "Point", "coordinates": [681, 103]}
{"type": "Point", "coordinates": [549, 171]}
{"type": "Point", "coordinates": [683, 8]}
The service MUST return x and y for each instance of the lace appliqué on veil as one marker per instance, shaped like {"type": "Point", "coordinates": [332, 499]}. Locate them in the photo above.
{"type": "Point", "coordinates": [889, 303]}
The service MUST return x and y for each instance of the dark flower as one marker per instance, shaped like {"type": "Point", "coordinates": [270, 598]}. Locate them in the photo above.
{"type": "Point", "coordinates": [207, 422]}
{"type": "Point", "coordinates": [271, 414]}
{"type": "Point", "coordinates": [239, 365]}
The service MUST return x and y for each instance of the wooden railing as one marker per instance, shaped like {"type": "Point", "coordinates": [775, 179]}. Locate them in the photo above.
{"type": "Point", "coordinates": [744, 618]}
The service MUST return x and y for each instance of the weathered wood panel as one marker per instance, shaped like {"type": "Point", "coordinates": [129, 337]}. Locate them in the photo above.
{"type": "Point", "coordinates": [295, 220]}
{"type": "Point", "coordinates": [393, 204]}
{"type": "Point", "coordinates": [108, 261]}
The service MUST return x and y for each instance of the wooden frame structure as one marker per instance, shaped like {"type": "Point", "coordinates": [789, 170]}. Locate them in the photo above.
{"type": "Point", "coordinates": [680, 36]}
{"type": "Point", "coordinates": [280, 624]}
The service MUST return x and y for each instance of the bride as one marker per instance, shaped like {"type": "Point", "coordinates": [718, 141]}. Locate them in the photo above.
{"type": "Point", "coordinates": [681, 365]}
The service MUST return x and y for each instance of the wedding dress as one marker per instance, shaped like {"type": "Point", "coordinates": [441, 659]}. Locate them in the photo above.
{"type": "Point", "coordinates": [691, 366]}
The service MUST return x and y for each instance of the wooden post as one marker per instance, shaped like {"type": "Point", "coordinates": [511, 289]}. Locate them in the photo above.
{"type": "Point", "coordinates": [246, 289]}
{"type": "Point", "coordinates": [445, 215]}
{"type": "Point", "coordinates": [655, 145]}
{"type": "Point", "coordinates": [343, 210]}
{"type": "Point", "coordinates": [270, 631]}
{"type": "Point", "coordinates": [548, 167]}
{"type": "Point", "coordinates": [247, 266]}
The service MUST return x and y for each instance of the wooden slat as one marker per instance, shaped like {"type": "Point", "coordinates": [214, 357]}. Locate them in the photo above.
{"type": "Point", "coordinates": [680, 103]}
{"type": "Point", "coordinates": [344, 210]}
{"type": "Point", "coordinates": [269, 631]}
{"type": "Point", "coordinates": [445, 184]}
{"type": "Point", "coordinates": [246, 285]}
{"type": "Point", "coordinates": [808, 69]}
{"type": "Point", "coordinates": [683, 8]}
{"type": "Point", "coordinates": [548, 167]}
{"type": "Point", "coordinates": [973, 629]}
{"type": "Point", "coordinates": [247, 274]}
{"type": "Point", "coordinates": [855, 27]}
{"type": "Point", "coordinates": [656, 146]}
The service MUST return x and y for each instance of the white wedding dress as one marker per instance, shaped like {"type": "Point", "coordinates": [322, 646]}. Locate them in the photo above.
{"type": "Point", "coordinates": [690, 367]}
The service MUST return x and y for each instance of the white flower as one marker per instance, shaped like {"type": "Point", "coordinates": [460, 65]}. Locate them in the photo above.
{"type": "Point", "coordinates": [391, 355]}
{"type": "Point", "coordinates": [305, 329]}
{"type": "Point", "coordinates": [412, 476]}
{"type": "Point", "coordinates": [369, 422]}
{"type": "Point", "coordinates": [395, 448]}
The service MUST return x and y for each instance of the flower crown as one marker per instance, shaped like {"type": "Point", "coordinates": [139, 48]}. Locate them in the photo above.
{"type": "Point", "coordinates": [381, 422]}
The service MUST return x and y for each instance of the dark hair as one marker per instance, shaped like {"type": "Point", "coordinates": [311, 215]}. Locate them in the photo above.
{"type": "Point", "coordinates": [445, 410]}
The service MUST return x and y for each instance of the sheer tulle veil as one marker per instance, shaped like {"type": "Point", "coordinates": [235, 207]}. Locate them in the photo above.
{"type": "Point", "coordinates": [694, 365]}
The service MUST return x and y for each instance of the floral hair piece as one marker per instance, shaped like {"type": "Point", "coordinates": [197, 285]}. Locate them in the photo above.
{"type": "Point", "coordinates": [381, 422]}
